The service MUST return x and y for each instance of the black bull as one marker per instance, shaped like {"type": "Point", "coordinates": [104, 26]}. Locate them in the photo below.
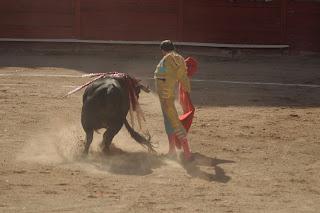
{"type": "Point", "coordinates": [105, 105]}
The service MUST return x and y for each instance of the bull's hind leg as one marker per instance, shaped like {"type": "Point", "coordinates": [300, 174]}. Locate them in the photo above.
{"type": "Point", "coordinates": [109, 135]}
{"type": "Point", "coordinates": [89, 138]}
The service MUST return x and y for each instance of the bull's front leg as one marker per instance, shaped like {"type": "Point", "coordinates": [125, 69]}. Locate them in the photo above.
{"type": "Point", "coordinates": [89, 138]}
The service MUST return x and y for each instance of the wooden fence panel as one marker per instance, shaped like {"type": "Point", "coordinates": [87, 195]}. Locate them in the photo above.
{"type": "Point", "coordinates": [293, 22]}
{"type": "Point", "coordinates": [37, 18]}
{"type": "Point", "coordinates": [304, 25]}
{"type": "Point", "coordinates": [228, 22]}
{"type": "Point", "coordinates": [129, 19]}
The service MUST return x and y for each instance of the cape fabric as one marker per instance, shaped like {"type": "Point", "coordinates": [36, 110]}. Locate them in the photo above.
{"type": "Point", "coordinates": [185, 100]}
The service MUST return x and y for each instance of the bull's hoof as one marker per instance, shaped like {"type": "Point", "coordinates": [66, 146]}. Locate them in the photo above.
{"type": "Point", "coordinates": [84, 155]}
{"type": "Point", "coordinates": [106, 150]}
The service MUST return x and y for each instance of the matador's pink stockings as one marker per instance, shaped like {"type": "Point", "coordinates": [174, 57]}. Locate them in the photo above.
{"type": "Point", "coordinates": [174, 142]}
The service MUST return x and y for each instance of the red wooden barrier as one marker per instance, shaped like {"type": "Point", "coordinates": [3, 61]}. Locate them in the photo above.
{"type": "Point", "coordinates": [292, 22]}
{"type": "Point", "coordinates": [223, 21]}
{"type": "Point", "coordinates": [129, 19]}
{"type": "Point", "coordinates": [36, 18]}
{"type": "Point", "coordinates": [304, 25]}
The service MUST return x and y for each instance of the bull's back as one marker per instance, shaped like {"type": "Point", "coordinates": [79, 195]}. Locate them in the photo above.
{"type": "Point", "coordinates": [104, 102]}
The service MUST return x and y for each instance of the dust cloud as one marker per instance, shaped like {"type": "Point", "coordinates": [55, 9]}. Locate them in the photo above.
{"type": "Point", "coordinates": [62, 145]}
{"type": "Point", "coordinates": [55, 145]}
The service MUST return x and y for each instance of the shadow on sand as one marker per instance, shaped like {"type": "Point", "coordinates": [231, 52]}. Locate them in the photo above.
{"type": "Point", "coordinates": [122, 162]}
{"type": "Point", "coordinates": [200, 160]}
{"type": "Point", "coordinates": [143, 163]}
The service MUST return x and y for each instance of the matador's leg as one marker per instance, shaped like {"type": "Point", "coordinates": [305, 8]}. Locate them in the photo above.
{"type": "Point", "coordinates": [176, 128]}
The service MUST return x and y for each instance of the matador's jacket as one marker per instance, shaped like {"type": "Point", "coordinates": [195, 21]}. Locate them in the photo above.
{"type": "Point", "coordinates": [170, 70]}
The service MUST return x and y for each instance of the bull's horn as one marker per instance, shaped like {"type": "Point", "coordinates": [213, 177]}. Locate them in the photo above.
{"type": "Point", "coordinates": [144, 88]}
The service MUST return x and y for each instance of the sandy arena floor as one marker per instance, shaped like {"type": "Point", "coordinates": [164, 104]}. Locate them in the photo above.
{"type": "Point", "coordinates": [255, 136]}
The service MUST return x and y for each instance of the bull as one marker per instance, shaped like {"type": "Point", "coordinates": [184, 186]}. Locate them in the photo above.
{"type": "Point", "coordinates": [106, 103]}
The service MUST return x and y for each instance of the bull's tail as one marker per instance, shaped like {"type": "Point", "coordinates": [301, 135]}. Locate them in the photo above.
{"type": "Point", "coordinates": [145, 142]}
